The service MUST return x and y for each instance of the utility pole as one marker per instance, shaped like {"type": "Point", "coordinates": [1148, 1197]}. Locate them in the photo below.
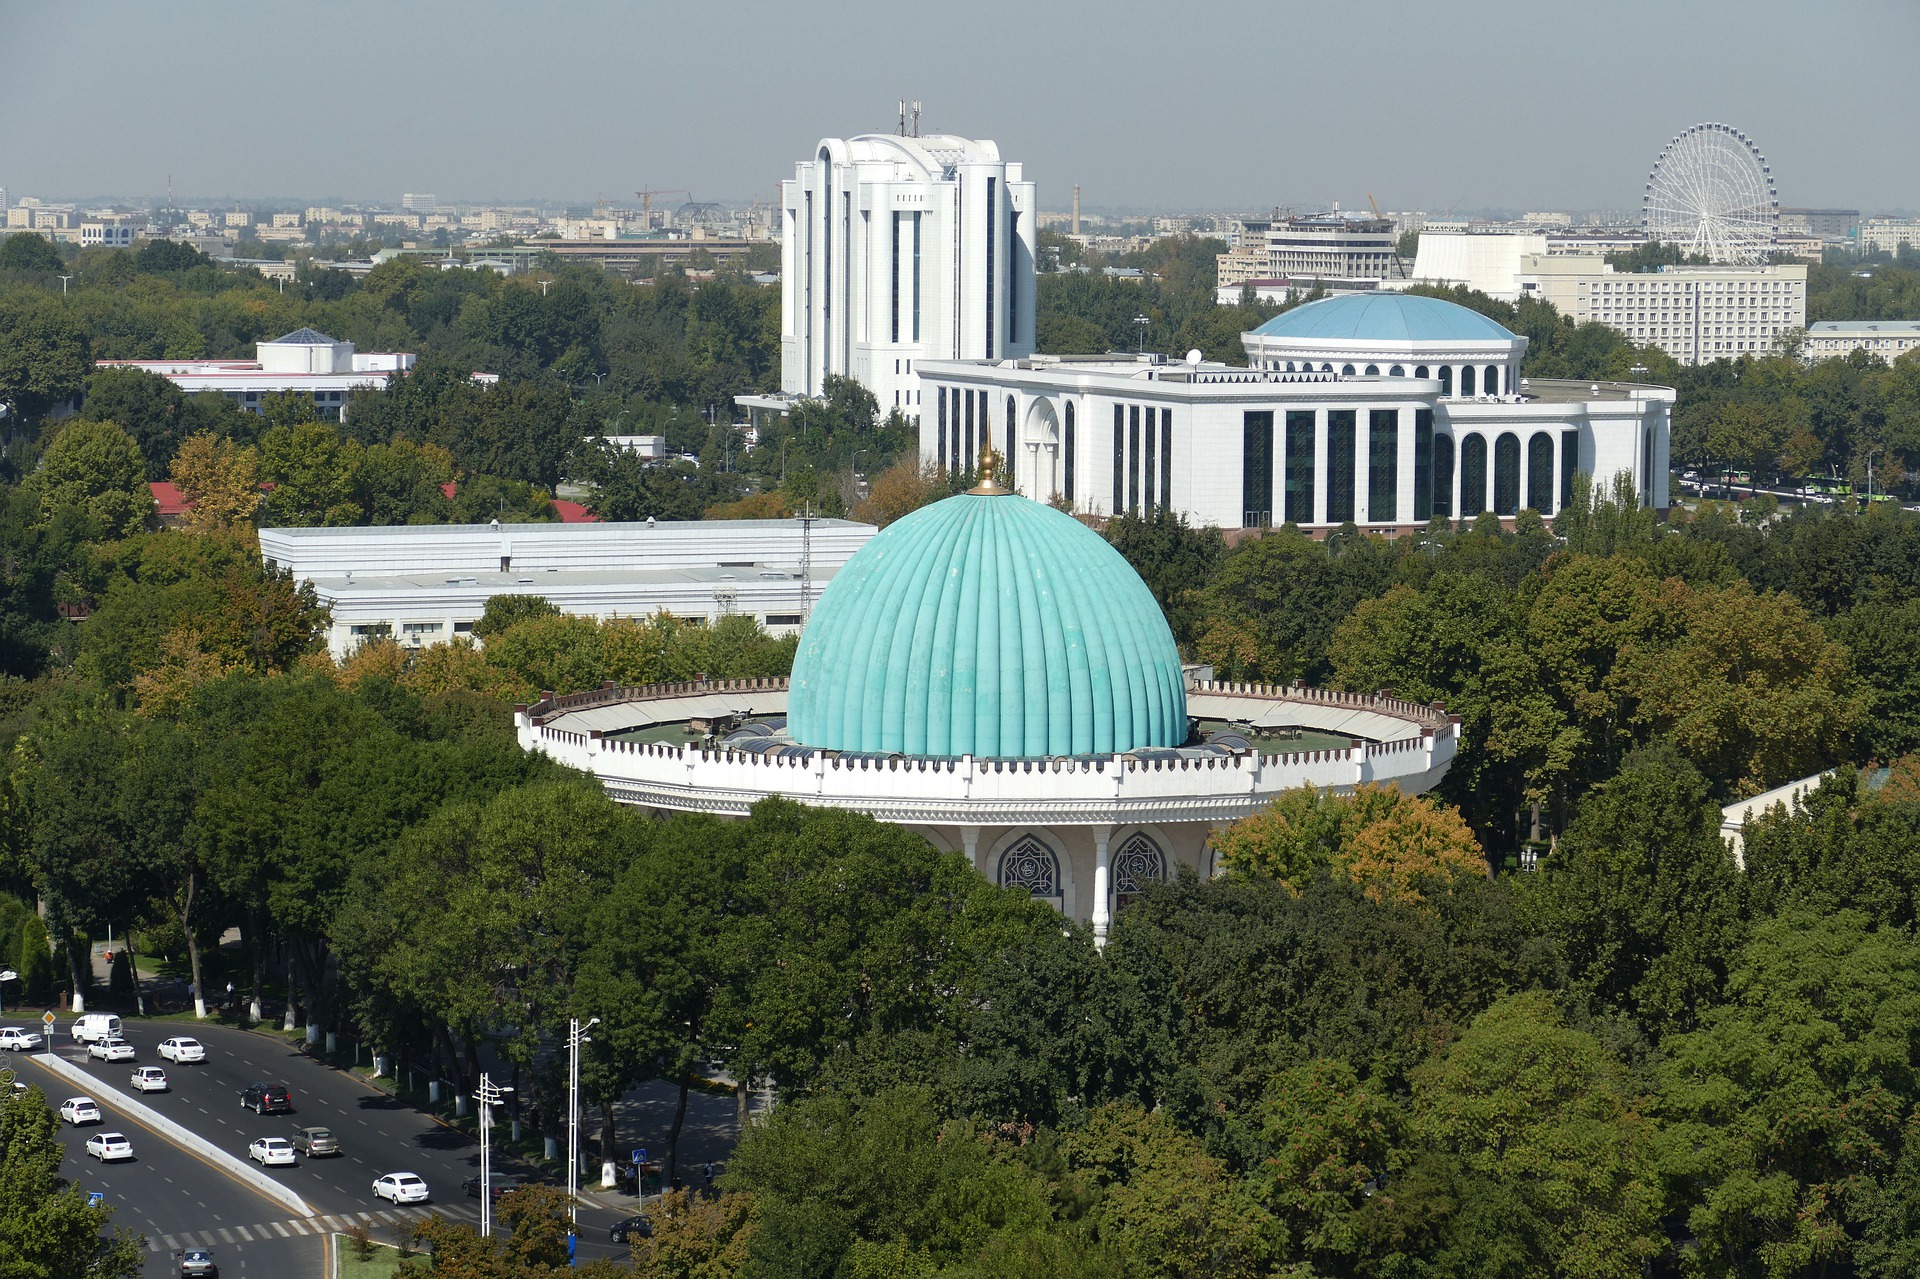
{"type": "Point", "coordinates": [489, 1096]}
{"type": "Point", "coordinates": [576, 1036]}
{"type": "Point", "coordinates": [63, 284]}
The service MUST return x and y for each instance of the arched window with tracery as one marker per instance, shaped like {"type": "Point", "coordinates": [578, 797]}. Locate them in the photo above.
{"type": "Point", "coordinates": [1030, 864]}
{"type": "Point", "coordinates": [1138, 863]}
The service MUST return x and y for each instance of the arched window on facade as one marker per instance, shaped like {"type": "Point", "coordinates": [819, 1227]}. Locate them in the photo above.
{"type": "Point", "coordinates": [1138, 863]}
{"type": "Point", "coordinates": [1473, 476]}
{"type": "Point", "coordinates": [1446, 379]}
{"type": "Point", "coordinates": [1420, 371]}
{"type": "Point", "coordinates": [1443, 475]}
{"type": "Point", "coordinates": [1491, 383]}
{"type": "Point", "coordinates": [1373, 370]}
{"type": "Point", "coordinates": [1028, 863]}
{"type": "Point", "coordinates": [1398, 370]}
{"type": "Point", "coordinates": [1346, 370]}
{"type": "Point", "coordinates": [1466, 379]}
{"type": "Point", "coordinates": [1506, 474]}
{"type": "Point", "coordinates": [1540, 473]}
{"type": "Point", "coordinates": [1327, 368]}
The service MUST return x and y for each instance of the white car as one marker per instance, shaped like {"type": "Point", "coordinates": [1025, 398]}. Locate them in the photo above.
{"type": "Point", "coordinates": [270, 1152]}
{"type": "Point", "coordinates": [80, 1110]}
{"type": "Point", "coordinates": [16, 1039]}
{"type": "Point", "coordinates": [109, 1145]}
{"type": "Point", "coordinates": [150, 1079]}
{"type": "Point", "coordinates": [400, 1188]}
{"type": "Point", "coordinates": [111, 1050]}
{"type": "Point", "coordinates": [182, 1050]}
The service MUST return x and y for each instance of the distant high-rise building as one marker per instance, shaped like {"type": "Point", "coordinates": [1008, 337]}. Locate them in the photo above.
{"type": "Point", "coordinates": [896, 249]}
{"type": "Point", "coordinates": [417, 203]}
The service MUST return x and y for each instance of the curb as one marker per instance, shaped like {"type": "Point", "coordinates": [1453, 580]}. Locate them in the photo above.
{"type": "Point", "coordinates": [180, 1135]}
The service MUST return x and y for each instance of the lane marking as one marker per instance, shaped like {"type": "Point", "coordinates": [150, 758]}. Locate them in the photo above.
{"type": "Point", "coordinates": [283, 1232]}
{"type": "Point", "coordinates": [173, 1243]}
{"type": "Point", "coordinates": [225, 1237]}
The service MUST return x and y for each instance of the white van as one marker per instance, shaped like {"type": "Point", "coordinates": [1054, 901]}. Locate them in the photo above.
{"type": "Point", "coordinates": [93, 1027]}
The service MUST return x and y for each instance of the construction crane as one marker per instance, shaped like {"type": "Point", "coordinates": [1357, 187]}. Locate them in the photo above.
{"type": "Point", "coordinates": [646, 201]}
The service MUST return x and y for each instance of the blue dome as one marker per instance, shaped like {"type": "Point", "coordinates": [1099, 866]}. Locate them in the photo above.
{"type": "Point", "coordinates": [987, 625]}
{"type": "Point", "coordinates": [1385, 317]}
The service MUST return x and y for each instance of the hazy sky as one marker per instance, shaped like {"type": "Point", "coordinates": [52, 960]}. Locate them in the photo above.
{"type": "Point", "coordinates": [1469, 104]}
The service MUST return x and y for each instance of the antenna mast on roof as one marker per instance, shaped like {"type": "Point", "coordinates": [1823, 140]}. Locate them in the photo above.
{"type": "Point", "coordinates": [902, 128]}
{"type": "Point", "coordinates": [916, 118]}
{"type": "Point", "coordinates": [806, 561]}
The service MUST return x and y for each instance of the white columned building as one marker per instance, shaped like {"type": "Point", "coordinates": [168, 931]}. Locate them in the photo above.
{"type": "Point", "coordinates": [899, 249]}
{"type": "Point", "coordinates": [1385, 410]}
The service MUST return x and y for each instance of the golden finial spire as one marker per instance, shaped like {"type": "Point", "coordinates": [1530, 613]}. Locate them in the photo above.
{"type": "Point", "coordinates": [988, 485]}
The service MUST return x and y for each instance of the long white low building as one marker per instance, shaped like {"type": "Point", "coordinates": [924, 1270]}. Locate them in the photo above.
{"type": "Point", "coordinates": [1386, 410]}
{"type": "Point", "coordinates": [424, 584]}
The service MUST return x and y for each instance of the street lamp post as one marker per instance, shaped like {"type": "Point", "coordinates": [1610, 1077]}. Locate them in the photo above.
{"type": "Point", "coordinates": [576, 1036]}
{"type": "Point", "coordinates": [63, 284]}
{"type": "Point", "coordinates": [1141, 322]}
{"type": "Point", "coordinates": [489, 1096]}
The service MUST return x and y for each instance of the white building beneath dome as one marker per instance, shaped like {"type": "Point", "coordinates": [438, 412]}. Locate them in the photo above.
{"type": "Point", "coordinates": [895, 250]}
{"type": "Point", "coordinates": [1385, 410]}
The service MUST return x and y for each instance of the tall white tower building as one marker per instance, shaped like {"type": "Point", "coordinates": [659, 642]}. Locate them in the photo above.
{"type": "Point", "coordinates": [898, 249]}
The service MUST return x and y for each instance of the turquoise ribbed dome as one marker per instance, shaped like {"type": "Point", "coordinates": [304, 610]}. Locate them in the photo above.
{"type": "Point", "coordinates": [987, 625]}
{"type": "Point", "coordinates": [1385, 317]}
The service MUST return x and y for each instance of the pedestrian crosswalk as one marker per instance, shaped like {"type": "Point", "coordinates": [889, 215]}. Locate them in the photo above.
{"type": "Point", "coordinates": [311, 1226]}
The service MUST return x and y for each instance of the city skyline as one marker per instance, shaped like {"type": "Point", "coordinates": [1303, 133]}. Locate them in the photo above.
{"type": "Point", "coordinates": [1494, 107]}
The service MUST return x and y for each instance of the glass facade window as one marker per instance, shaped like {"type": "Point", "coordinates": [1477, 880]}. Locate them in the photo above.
{"type": "Point", "coordinates": [1341, 441]}
{"type": "Point", "coordinates": [1133, 460]}
{"type": "Point", "coordinates": [967, 458]}
{"type": "Point", "coordinates": [1383, 465]}
{"type": "Point", "coordinates": [1166, 457]}
{"type": "Point", "coordinates": [916, 277]}
{"type": "Point", "coordinates": [1150, 469]}
{"type": "Point", "coordinates": [1300, 478]}
{"type": "Point", "coordinates": [940, 415]}
{"type": "Point", "coordinates": [1569, 464]}
{"type": "Point", "coordinates": [993, 218]}
{"type": "Point", "coordinates": [1066, 456]}
{"type": "Point", "coordinates": [1540, 473]}
{"type": "Point", "coordinates": [1256, 468]}
{"type": "Point", "coordinates": [1473, 476]}
{"type": "Point", "coordinates": [1646, 467]}
{"type": "Point", "coordinates": [1119, 458]}
{"type": "Point", "coordinates": [896, 277]}
{"type": "Point", "coordinates": [1443, 476]}
{"type": "Point", "coordinates": [1506, 474]}
{"type": "Point", "coordinates": [1422, 465]}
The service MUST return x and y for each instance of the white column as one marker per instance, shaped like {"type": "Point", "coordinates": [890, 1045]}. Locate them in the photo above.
{"type": "Point", "coordinates": [970, 841]}
{"type": "Point", "coordinates": [1363, 465]}
{"type": "Point", "coordinates": [1526, 465]}
{"type": "Point", "coordinates": [1493, 468]}
{"type": "Point", "coordinates": [1102, 905]}
{"type": "Point", "coordinates": [1317, 499]}
{"type": "Point", "coordinates": [1403, 488]}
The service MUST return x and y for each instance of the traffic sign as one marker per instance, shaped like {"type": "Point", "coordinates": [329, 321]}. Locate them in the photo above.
{"type": "Point", "coordinates": [47, 1020]}
{"type": "Point", "coordinates": [95, 1199]}
{"type": "Point", "coordinates": [639, 1154]}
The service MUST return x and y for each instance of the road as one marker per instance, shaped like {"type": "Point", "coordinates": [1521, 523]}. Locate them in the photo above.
{"type": "Point", "coordinates": [177, 1199]}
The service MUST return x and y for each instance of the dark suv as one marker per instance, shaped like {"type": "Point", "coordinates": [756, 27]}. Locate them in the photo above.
{"type": "Point", "coordinates": [267, 1099]}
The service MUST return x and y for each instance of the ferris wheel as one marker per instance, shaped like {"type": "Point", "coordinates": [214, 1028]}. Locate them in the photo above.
{"type": "Point", "coordinates": [1711, 192]}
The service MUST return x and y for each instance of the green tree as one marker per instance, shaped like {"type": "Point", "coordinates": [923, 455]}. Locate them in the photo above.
{"type": "Point", "coordinates": [503, 611]}
{"type": "Point", "coordinates": [1540, 1115]}
{"type": "Point", "coordinates": [96, 468]}
{"type": "Point", "coordinates": [44, 357]}
{"type": "Point", "coordinates": [1792, 1105]}
{"type": "Point", "coordinates": [1175, 560]}
{"type": "Point", "coordinates": [311, 470]}
{"type": "Point", "coordinates": [47, 1229]}
{"type": "Point", "coordinates": [1643, 896]}
{"type": "Point", "coordinates": [28, 251]}
{"type": "Point", "coordinates": [146, 406]}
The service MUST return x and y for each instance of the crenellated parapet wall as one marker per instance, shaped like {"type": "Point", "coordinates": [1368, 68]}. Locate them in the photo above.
{"type": "Point", "coordinates": [1057, 791]}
